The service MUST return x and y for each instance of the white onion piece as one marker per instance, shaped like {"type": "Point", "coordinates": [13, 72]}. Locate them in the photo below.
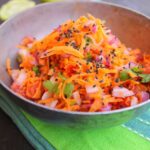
{"type": "Point", "coordinates": [77, 97]}
{"type": "Point", "coordinates": [53, 79]}
{"type": "Point", "coordinates": [126, 51]}
{"type": "Point", "coordinates": [132, 64]}
{"type": "Point", "coordinates": [15, 74]}
{"type": "Point", "coordinates": [134, 101]}
{"type": "Point", "coordinates": [21, 78]}
{"type": "Point", "coordinates": [145, 96]}
{"type": "Point", "coordinates": [90, 22]}
{"type": "Point", "coordinates": [94, 29]}
{"type": "Point", "coordinates": [53, 104]}
{"type": "Point", "coordinates": [23, 52]}
{"type": "Point", "coordinates": [46, 95]}
{"type": "Point", "coordinates": [91, 89]}
{"type": "Point", "coordinates": [121, 92]}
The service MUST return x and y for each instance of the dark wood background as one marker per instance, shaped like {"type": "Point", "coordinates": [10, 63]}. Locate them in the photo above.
{"type": "Point", "coordinates": [10, 136]}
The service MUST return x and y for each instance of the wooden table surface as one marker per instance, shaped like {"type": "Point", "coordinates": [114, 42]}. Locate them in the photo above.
{"type": "Point", "coordinates": [10, 136]}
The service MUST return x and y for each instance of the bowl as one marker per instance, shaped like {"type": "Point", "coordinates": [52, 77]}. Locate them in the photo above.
{"type": "Point", "coordinates": [131, 27]}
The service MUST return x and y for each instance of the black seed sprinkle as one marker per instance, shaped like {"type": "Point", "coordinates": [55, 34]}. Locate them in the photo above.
{"type": "Point", "coordinates": [101, 81]}
{"type": "Point", "coordinates": [94, 86]}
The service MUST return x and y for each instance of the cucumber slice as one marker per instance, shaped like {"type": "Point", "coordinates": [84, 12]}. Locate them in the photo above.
{"type": "Point", "coordinates": [44, 1]}
{"type": "Point", "coordinates": [13, 7]}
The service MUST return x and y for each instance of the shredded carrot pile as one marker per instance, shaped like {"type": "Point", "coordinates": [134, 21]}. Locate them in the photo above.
{"type": "Point", "coordinates": [81, 66]}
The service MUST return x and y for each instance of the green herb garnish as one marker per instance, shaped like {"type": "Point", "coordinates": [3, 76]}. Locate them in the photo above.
{"type": "Point", "coordinates": [124, 75]}
{"type": "Point", "coordinates": [68, 90]}
{"type": "Point", "coordinates": [136, 70]}
{"type": "Point", "coordinates": [36, 70]}
{"type": "Point", "coordinates": [89, 56]}
{"type": "Point", "coordinates": [145, 78]}
{"type": "Point", "coordinates": [51, 87]}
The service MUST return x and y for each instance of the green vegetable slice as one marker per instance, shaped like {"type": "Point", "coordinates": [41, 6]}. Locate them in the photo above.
{"type": "Point", "coordinates": [51, 87]}
{"type": "Point", "coordinates": [13, 7]}
{"type": "Point", "coordinates": [136, 70]}
{"type": "Point", "coordinates": [68, 90]}
{"type": "Point", "coordinates": [44, 1]}
{"type": "Point", "coordinates": [89, 56]}
{"type": "Point", "coordinates": [145, 78]}
{"type": "Point", "coordinates": [36, 70]}
{"type": "Point", "coordinates": [124, 75]}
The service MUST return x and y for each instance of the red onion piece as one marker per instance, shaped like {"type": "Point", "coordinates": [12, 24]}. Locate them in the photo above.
{"type": "Point", "coordinates": [145, 96]}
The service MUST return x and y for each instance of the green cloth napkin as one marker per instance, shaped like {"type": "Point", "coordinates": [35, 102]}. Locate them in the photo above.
{"type": "Point", "coordinates": [45, 136]}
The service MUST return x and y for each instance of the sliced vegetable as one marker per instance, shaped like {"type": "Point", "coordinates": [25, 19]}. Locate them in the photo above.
{"type": "Point", "coordinates": [51, 87]}
{"type": "Point", "coordinates": [88, 40]}
{"type": "Point", "coordinates": [36, 70]}
{"type": "Point", "coordinates": [68, 90]}
{"type": "Point", "coordinates": [46, 95]}
{"type": "Point", "coordinates": [45, 1]}
{"type": "Point", "coordinates": [145, 96]}
{"type": "Point", "coordinates": [53, 104]}
{"type": "Point", "coordinates": [89, 56]}
{"type": "Point", "coordinates": [136, 70]}
{"type": "Point", "coordinates": [92, 89]}
{"type": "Point", "coordinates": [13, 7]}
{"type": "Point", "coordinates": [134, 101]}
{"type": "Point", "coordinates": [145, 78]}
{"type": "Point", "coordinates": [121, 92]}
{"type": "Point", "coordinates": [131, 73]}
{"type": "Point", "coordinates": [124, 75]}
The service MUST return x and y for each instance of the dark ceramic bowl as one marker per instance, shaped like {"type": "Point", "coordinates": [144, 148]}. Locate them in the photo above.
{"type": "Point", "coordinates": [131, 27]}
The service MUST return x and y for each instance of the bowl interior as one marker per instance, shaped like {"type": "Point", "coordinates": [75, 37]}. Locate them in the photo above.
{"type": "Point", "coordinates": [132, 28]}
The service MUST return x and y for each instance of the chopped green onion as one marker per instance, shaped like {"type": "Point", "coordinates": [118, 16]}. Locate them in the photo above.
{"type": "Point", "coordinates": [36, 70]}
{"type": "Point", "coordinates": [124, 75]}
{"type": "Point", "coordinates": [89, 56]}
{"type": "Point", "coordinates": [145, 78]}
{"type": "Point", "coordinates": [68, 90]}
{"type": "Point", "coordinates": [136, 70]}
{"type": "Point", "coordinates": [88, 40]}
{"type": "Point", "coordinates": [51, 87]}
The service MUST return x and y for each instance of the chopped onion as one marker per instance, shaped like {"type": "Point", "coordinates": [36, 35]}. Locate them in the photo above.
{"type": "Point", "coordinates": [121, 92]}
{"type": "Point", "coordinates": [91, 89]}
{"type": "Point", "coordinates": [53, 104]}
{"type": "Point", "coordinates": [107, 108]}
{"type": "Point", "coordinates": [88, 23]}
{"type": "Point", "coordinates": [94, 28]}
{"type": "Point", "coordinates": [77, 97]}
{"type": "Point", "coordinates": [46, 95]}
{"type": "Point", "coordinates": [15, 74]}
{"type": "Point", "coordinates": [21, 78]}
{"type": "Point", "coordinates": [126, 51]}
{"type": "Point", "coordinates": [100, 57]}
{"type": "Point", "coordinates": [132, 64]}
{"type": "Point", "coordinates": [23, 52]}
{"type": "Point", "coordinates": [113, 40]}
{"type": "Point", "coordinates": [145, 96]}
{"type": "Point", "coordinates": [59, 28]}
{"type": "Point", "coordinates": [134, 101]}
{"type": "Point", "coordinates": [53, 79]}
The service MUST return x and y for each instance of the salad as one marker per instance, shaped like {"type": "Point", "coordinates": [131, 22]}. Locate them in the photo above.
{"type": "Point", "coordinates": [81, 66]}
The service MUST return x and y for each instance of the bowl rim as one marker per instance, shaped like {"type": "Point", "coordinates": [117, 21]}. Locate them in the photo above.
{"type": "Point", "coordinates": [74, 112]}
